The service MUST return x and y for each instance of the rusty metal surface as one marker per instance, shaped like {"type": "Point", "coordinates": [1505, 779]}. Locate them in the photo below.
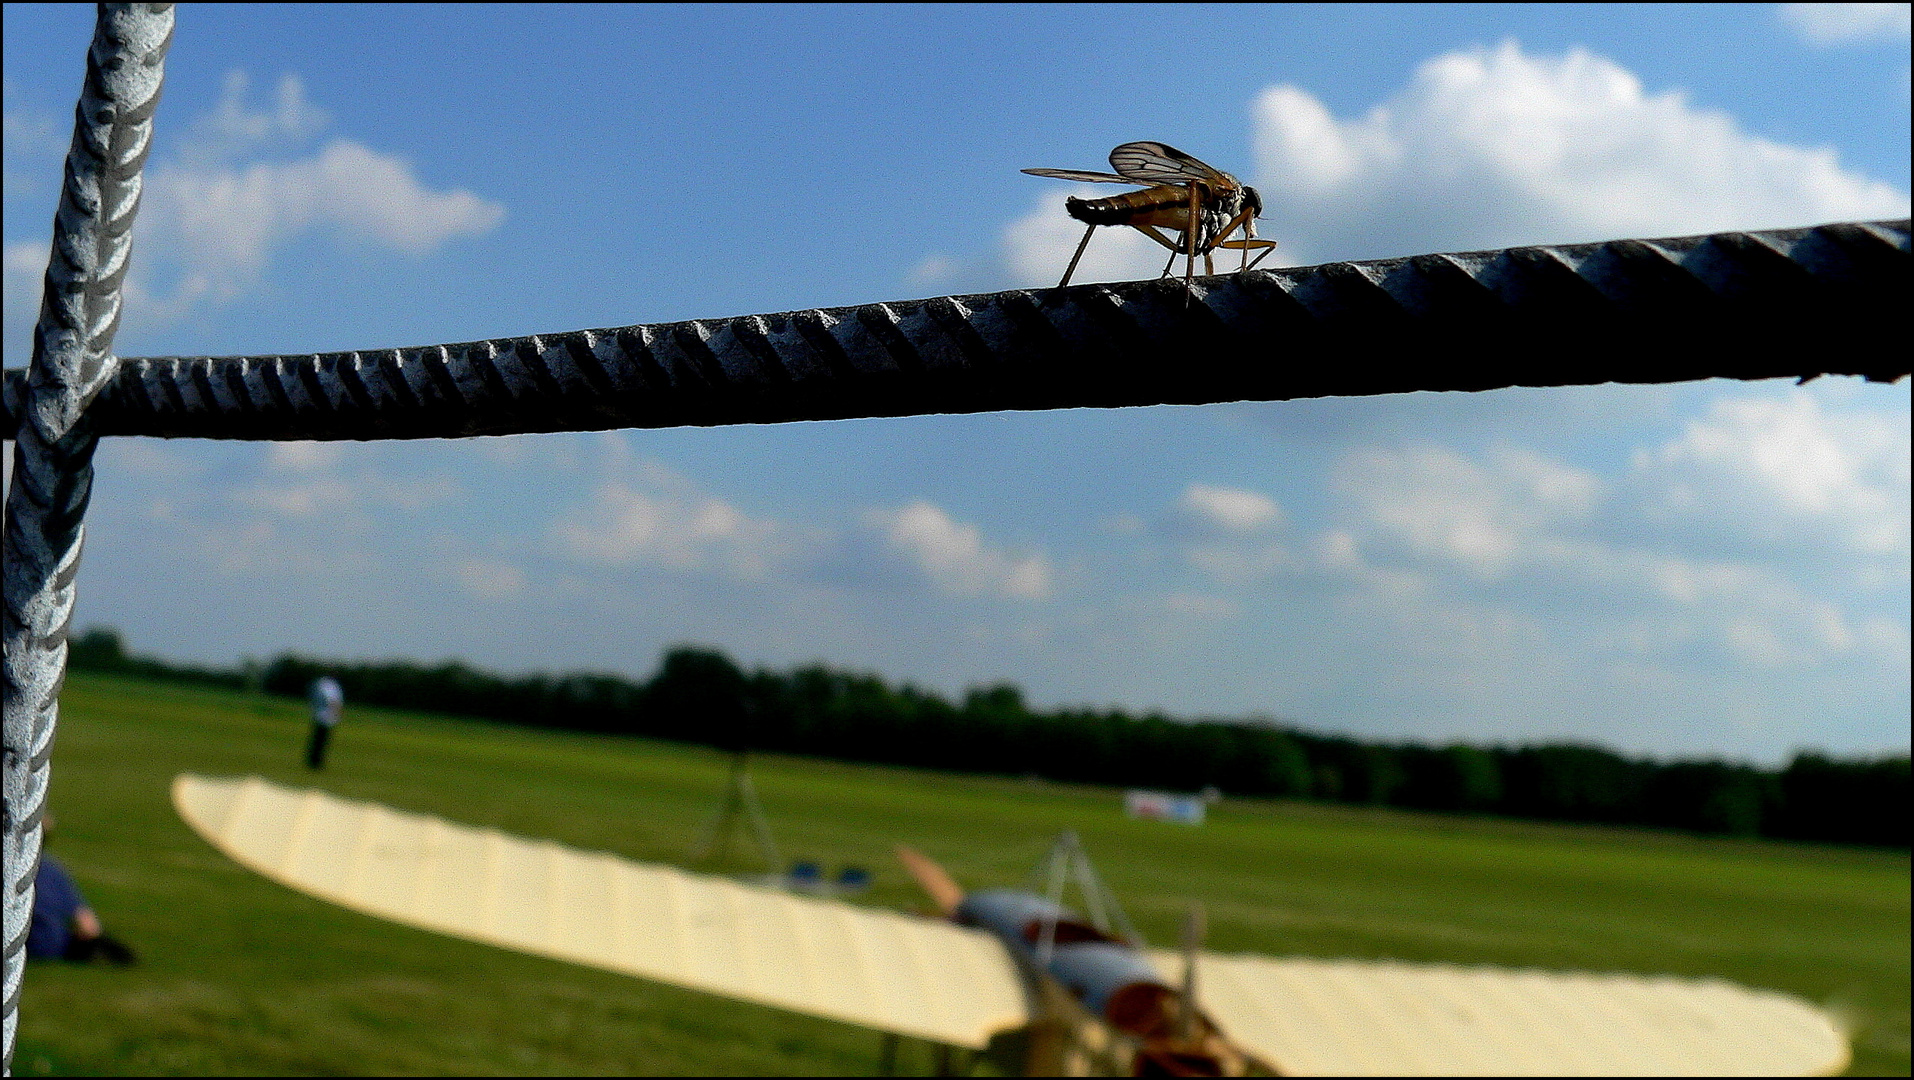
{"type": "Point", "coordinates": [52, 466]}
{"type": "Point", "coordinates": [1782, 303]}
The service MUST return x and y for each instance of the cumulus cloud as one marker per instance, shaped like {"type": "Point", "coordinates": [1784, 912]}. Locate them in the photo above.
{"type": "Point", "coordinates": [234, 125]}
{"type": "Point", "coordinates": [1484, 148]}
{"type": "Point", "coordinates": [235, 216]}
{"type": "Point", "coordinates": [212, 221]}
{"type": "Point", "coordinates": [1790, 473]}
{"type": "Point", "coordinates": [664, 522]}
{"type": "Point", "coordinates": [219, 226]}
{"type": "Point", "coordinates": [1229, 509]}
{"type": "Point", "coordinates": [1843, 24]}
{"type": "Point", "coordinates": [1228, 534]}
{"type": "Point", "coordinates": [215, 214]}
{"type": "Point", "coordinates": [1445, 534]}
{"type": "Point", "coordinates": [956, 558]}
{"type": "Point", "coordinates": [1482, 515]}
{"type": "Point", "coordinates": [1493, 147]}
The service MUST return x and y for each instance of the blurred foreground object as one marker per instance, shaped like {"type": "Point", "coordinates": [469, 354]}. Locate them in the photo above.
{"type": "Point", "coordinates": [963, 986]}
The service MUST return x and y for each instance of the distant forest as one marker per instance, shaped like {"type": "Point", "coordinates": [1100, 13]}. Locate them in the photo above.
{"type": "Point", "coordinates": [701, 696]}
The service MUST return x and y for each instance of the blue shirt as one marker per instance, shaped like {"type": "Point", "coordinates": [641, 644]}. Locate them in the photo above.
{"type": "Point", "coordinates": [327, 699]}
{"type": "Point", "coordinates": [55, 901]}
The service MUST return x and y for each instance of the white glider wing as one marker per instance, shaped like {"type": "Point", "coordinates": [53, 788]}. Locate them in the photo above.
{"type": "Point", "coordinates": [930, 979]}
{"type": "Point", "coordinates": [919, 977]}
{"type": "Point", "coordinates": [1311, 1017]}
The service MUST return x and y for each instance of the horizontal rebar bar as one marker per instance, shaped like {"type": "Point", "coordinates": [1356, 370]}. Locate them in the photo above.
{"type": "Point", "coordinates": [1794, 303]}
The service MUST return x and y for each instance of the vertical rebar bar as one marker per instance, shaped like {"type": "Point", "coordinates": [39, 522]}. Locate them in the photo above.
{"type": "Point", "coordinates": [53, 451]}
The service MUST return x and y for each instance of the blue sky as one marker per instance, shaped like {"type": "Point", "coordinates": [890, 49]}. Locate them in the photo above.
{"type": "Point", "coordinates": [1708, 568]}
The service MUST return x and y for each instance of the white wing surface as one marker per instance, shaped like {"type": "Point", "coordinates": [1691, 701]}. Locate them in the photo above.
{"type": "Point", "coordinates": [918, 977]}
{"type": "Point", "coordinates": [1381, 1018]}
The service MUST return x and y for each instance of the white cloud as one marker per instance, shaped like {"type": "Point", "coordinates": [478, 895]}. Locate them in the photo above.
{"type": "Point", "coordinates": [670, 525]}
{"type": "Point", "coordinates": [233, 125]}
{"type": "Point", "coordinates": [1842, 24]}
{"type": "Point", "coordinates": [1446, 537]}
{"type": "Point", "coordinates": [1488, 148]}
{"type": "Point", "coordinates": [1790, 471]}
{"type": "Point", "coordinates": [1483, 516]}
{"type": "Point", "coordinates": [1230, 509]}
{"type": "Point", "coordinates": [956, 557]}
{"type": "Point", "coordinates": [1492, 147]}
{"type": "Point", "coordinates": [1229, 533]}
{"type": "Point", "coordinates": [212, 223]}
{"type": "Point", "coordinates": [304, 457]}
{"type": "Point", "coordinates": [218, 226]}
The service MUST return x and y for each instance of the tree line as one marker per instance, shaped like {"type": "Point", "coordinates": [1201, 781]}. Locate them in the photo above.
{"type": "Point", "coordinates": [701, 696]}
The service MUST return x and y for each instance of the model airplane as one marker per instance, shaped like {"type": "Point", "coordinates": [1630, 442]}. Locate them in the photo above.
{"type": "Point", "coordinates": [1035, 986]}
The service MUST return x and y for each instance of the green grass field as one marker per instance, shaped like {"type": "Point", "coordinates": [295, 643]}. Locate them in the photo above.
{"type": "Point", "coordinates": [243, 976]}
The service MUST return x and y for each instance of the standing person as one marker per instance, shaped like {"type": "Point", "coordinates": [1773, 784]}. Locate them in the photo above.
{"type": "Point", "coordinates": [327, 701]}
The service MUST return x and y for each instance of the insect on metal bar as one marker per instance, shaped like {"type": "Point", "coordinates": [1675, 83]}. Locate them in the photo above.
{"type": "Point", "coordinates": [1204, 204]}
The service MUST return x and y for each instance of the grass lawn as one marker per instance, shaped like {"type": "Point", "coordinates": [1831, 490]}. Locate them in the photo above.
{"type": "Point", "coordinates": [242, 976]}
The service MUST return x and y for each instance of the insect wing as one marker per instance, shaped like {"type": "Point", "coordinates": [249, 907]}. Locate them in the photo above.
{"type": "Point", "coordinates": [1086, 177]}
{"type": "Point", "coordinates": [1161, 163]}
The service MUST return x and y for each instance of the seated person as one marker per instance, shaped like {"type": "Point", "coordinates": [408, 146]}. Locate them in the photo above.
{"type": "Point", "coordinates": [63, 926]}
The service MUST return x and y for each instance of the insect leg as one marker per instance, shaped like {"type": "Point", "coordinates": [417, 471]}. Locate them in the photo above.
{"type": "Point", "coordinates": [1196, 199]}
{"type": "Point", "coordinates": [1150, 231]}
{"type": "Point", "coordinates": [1242, 220]}
{"type": "Point", "coordinates": [1072, 268]}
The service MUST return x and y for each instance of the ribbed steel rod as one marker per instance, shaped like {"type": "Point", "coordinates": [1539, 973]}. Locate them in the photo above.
{"type": "Point", "coordinates": [52, 468]}
{"type": "Point", "coordinates": [1790, 302]}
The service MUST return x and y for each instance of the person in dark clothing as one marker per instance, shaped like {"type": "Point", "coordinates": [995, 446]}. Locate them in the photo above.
{"type": "Point", "coordinates": [63, 927]}
{"type": "Point", "coordinates": [327, 701]}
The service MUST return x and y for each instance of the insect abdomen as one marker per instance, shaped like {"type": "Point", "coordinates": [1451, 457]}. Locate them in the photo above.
{"type": "Point", "coordinates": [1130, 207]}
